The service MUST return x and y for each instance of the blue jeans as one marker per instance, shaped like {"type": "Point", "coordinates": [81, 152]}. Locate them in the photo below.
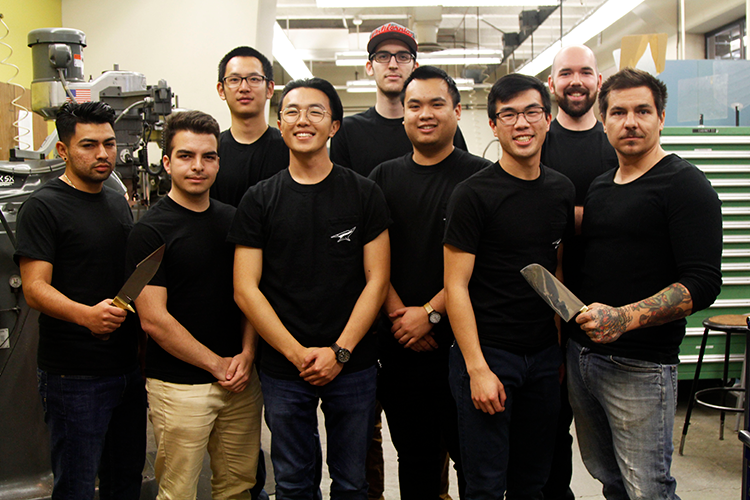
{"type": "Point", "coordinates": [97, 425]}
{"type": "Point", "coordinates": [510, 450]}
{"type": "Point", "coordinates": [348, 403]}
{"type": "Point", "coordinates": [624, 413]}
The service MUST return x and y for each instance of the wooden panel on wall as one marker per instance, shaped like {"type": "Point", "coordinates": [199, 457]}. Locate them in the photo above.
{"type": "Point", "coordinates": [8, 115]}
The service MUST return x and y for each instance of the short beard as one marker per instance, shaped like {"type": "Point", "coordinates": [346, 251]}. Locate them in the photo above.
{"type": "Point", "coordinates": [576, 111]}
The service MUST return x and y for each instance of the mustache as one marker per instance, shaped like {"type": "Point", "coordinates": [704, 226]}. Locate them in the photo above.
{"type": "Point", "coordinates": [579, 88]}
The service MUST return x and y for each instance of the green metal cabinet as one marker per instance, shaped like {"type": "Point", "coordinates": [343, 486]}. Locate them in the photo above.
{"type": "Point", "coordinates": [724, 156]}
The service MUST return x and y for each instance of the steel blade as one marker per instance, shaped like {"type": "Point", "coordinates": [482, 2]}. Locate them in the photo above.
{"type": "Point", "coordinates": [140, 278]}
{"type": "Point", "coordinates": [554, 293]}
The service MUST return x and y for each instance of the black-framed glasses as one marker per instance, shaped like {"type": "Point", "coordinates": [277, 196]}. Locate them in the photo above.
{"type": "Point", "coordinates": [384, 57]}
{"type": "Point", "coordinates": [314, 114]}
{"type": "Point", "coordinates": [510, 117]}
{"type": "Point", "coordinates": [234, 82]}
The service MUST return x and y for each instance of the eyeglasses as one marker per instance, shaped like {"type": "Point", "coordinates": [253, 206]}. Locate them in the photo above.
{"type": "Point", "coordinates": [510, 117]}
{"type": "Point", "coordinates": [254, 81]}
{"type": "Point", "coordinates": [314, 114]}
{"type": "Point", "coordinates": [385, 57]}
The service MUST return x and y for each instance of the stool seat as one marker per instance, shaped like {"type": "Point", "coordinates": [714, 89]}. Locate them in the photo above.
{"type": "Point", "coordinates": [730, 323]}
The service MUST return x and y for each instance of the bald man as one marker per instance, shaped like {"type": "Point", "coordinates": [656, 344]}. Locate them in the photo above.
{"type": "Point", "coordinates": [576, 146]}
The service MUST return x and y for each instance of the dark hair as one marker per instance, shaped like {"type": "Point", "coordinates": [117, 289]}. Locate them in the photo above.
{"type": "Point", "coordinates": [337, 109]}
{"type": "Point", "coordinates": [245, 51]}
{"type": "Point", "coordinates": [433, 73]}
{"type": "Point", "coordinates": [71, 114]}
{"type": "Point", "coordinates": [629, 78]}
{"type": "Point", "coordinates": [195, 121]}
{"type": "Point", "coordinates": [510, 86]}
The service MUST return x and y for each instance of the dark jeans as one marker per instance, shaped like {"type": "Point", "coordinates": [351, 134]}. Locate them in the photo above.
{"type": "Point", "coordinates": [422, 421]}
{"type": "Point", "coordinates": [97, 425]}
{"type": "Point", "coordinates": [510, 450]}
{"type": "Point", "coordinates": [558, 483]}
{"type": "Point", "coordinates": [348, 404]}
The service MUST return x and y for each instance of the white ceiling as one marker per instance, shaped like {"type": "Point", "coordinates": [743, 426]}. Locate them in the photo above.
{"type": "Point", "coordinates": [319, 33]}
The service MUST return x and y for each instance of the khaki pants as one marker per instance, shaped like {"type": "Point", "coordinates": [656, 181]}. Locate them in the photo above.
{"type": "Point", "coordinates": [190, 419]}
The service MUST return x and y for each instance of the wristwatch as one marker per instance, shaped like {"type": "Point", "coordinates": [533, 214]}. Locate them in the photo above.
{"type": "Point", "coordinates": [432, 314]}
{"type": "Point", "coordinates": [342, 355]}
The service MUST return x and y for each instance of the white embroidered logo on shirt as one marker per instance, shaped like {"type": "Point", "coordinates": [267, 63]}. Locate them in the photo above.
{"type": "Point", "coordinates": [556, 244]}
{"type": "Point", "coordinates": [344, 235]}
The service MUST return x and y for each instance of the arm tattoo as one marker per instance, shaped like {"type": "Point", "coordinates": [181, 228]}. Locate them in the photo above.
{"type": "Point", "coordinates": [672, 303]}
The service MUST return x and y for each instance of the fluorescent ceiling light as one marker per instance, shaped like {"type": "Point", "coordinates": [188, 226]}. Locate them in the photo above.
{"type": "Point", "coordinates": [602, 18]}
{"type": "Point", "coordinates": [361, 86]}
{"type": "Point", "coordinates": [351, 58]}
{"type": "Point", "coordinates": [461, 57]}
{"type": "Point", "coordinates": [286, 54]}
{"type": "Point", "coordinates": [448, 57]}
{"type": "Point", "coordinates": [378, 4]}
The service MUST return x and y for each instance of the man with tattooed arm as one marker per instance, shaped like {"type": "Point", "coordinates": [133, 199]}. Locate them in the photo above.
{"type": "Point", "coordinates": [653, 238]}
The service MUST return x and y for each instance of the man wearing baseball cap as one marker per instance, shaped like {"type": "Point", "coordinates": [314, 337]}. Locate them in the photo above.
{"type": "Point", "coordinates": [367, 139]}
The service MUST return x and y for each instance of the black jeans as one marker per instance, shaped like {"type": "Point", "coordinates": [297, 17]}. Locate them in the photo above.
{"type": "Point", "coordinates": [421, 413]}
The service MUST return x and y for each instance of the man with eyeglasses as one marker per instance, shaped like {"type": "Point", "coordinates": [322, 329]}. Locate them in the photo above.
{"type": "Point", "coordinates": [369, 138]}
{"type": "Point", "coordinates": [312, 266]}
{"type": "Point", "coordinates": [576, 146]}
{"type": "Point", "coordinates": [504, 367]}
{"type": "Point", "coordinates": [250, 150]}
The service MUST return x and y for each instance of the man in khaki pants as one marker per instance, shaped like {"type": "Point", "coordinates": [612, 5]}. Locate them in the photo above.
{"type": "Point", "coordinates": [202, 388]}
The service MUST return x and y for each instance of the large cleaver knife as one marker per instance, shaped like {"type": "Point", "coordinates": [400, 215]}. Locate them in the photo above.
{"type": "Point", "coordinates": [554, 293]}
{"type": "Point", "coordinates": [138, 280]}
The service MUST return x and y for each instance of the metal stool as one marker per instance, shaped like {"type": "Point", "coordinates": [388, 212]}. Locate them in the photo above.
{"type": "Point", "coordinates": [729, 324]}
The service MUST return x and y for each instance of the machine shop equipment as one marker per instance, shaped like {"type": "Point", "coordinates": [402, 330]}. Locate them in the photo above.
{"type": "Point", "coordinates": [57, 55]}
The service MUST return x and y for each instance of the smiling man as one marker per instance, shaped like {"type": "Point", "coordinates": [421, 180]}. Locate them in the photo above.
{"type": "Point", "coordinates": [369, 138]}
{"type": "Point", "coordinates": [576, 146]}
{"type": "Point", "coordinates": [415, 337]}
{"type": "Point", "coordinates": [203, 391]}
{"type": "Point", "coordinates": [250, 150]}
{"type": "Point", "coordinates": [642, 256]}
{"type": "Point", "coordinates": [311, 272]}
{"type": "Point", "coordinates": [505, 363]}
{"type": "Point", "coordinates": [72, 233]}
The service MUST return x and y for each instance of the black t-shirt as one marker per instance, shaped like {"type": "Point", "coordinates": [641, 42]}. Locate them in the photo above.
{"type": "Point", "coordinates": [83, 236]}
{"type": "Point", "coordinates": [640, 237]}
{"type": "Point", "coordinates": [417, 197]}
{"type": "Point", "coordinates": [366, 140]}
{"type": "Point", "coordinates": [580, 155]}
{"type": "Point", "coordinates": [244, 165]}
{"type": "Point", "coordinates": [508, 223]}
{"type": "Point", "coordinates": [197, 272]}
{"type": "Point", "coordinates": [312, 238]}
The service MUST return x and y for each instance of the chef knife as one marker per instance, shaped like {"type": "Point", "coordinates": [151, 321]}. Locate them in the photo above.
{"type": "Point", "coordinates": [554, 293]}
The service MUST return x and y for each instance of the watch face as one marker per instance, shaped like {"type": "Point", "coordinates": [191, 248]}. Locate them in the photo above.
{"type": "Point", "coordinates": [435, 317]}
{"type": "Point", "coordinates": [343, 355]}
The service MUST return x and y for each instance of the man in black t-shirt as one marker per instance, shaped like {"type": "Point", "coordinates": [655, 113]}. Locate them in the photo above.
{"type": "Point", "coordinates": [642, 256]}
{"type": "Point", "coordinates": [203, 392]}
{"type": "Point", "coordinates": [369, 138]}
{"type": "Point", "coordinates": [576, 146]}
{"type": "Point", "coordinates": [415, 337]}
{"type": "Point", "coordinates": [250, 150]}
{"type": "Point", "coordinates": [71, 249]}
{"type": "Point", "coordinates": [311, 272]}
{"type": "Point", "coordinates": [504, 367]}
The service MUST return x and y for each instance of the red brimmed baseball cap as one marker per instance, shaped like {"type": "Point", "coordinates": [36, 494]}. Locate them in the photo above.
{"type": "Point", "coordinates": [392, 31]}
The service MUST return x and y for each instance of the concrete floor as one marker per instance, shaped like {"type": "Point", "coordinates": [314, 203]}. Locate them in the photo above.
{"type": "Point", "coordinates": [711, 469]}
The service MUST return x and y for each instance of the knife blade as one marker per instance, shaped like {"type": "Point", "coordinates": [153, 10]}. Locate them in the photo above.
{"type": "Point", "coordinates": [143, 273]}
{"type": "Point", "coordinates": [554, 293]}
